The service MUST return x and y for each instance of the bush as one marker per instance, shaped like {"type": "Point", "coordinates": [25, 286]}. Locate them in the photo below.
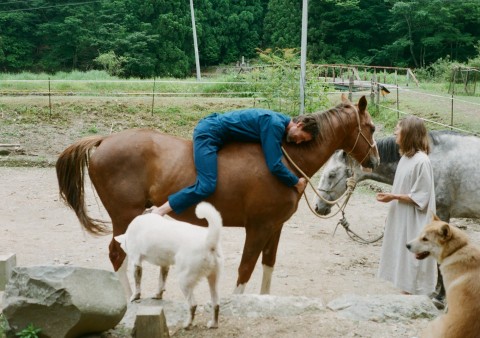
{"type": "Point", "coordinates": [277, 81]}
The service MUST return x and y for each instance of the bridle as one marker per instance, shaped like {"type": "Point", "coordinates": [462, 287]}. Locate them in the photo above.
{"type": "Point", "coordinates": [348, 173]}
{"type": "Point", "coordinates": [360, 133]}
{"type": "Point", "coordinates": [351, 183]}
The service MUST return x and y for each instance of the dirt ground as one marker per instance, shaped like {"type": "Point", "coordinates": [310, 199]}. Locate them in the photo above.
{"type": "Point", "coordinates": [313, 260]}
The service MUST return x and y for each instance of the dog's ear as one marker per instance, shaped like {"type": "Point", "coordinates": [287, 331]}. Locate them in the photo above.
{"type": "Point", "coordinates": [445, 231]}
{"type": "Point", "coordinates": [434, 216]}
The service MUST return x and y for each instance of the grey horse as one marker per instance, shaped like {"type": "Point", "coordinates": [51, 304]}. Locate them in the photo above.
{"type": "Point", "coordinates": [456, 167]}
{"type": "Point", "coordinates": [455, 160]}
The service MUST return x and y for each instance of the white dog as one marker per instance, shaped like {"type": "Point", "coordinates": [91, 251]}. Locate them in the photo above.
{"type": "Point", "coordinates": [194, 250]}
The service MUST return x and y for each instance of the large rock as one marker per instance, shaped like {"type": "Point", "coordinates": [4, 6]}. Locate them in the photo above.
{"type": "Point", "coordinates": [251, 305]}
{"type": "Point", "coordinates": [63, 301]}
{"type": "Point", "coordinates": [382, 308]}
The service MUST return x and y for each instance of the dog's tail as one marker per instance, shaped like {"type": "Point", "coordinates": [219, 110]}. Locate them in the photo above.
{"type": "Point", "coordinates": [208, 211]}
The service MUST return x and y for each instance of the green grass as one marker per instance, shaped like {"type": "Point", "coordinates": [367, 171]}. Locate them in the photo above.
{"type": "Point", "coordinates": [179, 113]}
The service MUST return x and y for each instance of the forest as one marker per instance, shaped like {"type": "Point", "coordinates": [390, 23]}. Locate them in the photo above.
{"type": "Point", "coordinates": [147, 38]}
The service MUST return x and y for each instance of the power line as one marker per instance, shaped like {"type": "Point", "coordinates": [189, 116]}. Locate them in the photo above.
{"type": "Point", "coordinates": [53, 6]}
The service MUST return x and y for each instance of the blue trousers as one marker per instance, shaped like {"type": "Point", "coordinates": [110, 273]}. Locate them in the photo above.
{"type": "Point", "coordinates": [207, 141]}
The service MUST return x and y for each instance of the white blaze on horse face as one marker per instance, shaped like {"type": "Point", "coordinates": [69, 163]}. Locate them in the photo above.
{"type": "Point", "coordinates": [333, 182]}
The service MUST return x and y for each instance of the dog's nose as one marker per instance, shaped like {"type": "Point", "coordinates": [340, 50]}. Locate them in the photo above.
{"type": "Point", "coordinates": [408, 246]}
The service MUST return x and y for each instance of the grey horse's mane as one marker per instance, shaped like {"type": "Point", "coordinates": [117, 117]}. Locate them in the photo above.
{"type": "Point", "coordinates": [436, 136]}
{"type": "Point", "coordinates": [388, 148]}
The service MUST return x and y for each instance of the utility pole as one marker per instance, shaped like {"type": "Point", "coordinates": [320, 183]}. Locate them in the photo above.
{"type": "Point", "coordinates": [303, 55]}
{"type": "Point", "coordinates": [195, 44]}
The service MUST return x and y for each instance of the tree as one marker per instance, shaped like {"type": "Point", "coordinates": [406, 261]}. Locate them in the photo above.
{"type": "Point", "coordinates": [283, 24]}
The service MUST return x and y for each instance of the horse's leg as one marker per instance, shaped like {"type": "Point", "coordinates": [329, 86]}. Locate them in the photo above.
{"type": "Point", "coordinates": [269, 256]}
{"type": "Point", "coordinates": [254, 242]}
{"type": "Point", "coordinates": [123, 278]}
{"type": "Point", "coordinates": [117, 256]}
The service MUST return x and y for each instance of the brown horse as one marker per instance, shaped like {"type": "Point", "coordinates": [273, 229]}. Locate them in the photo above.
{"type": "Point", "coordinates": [135, 169]}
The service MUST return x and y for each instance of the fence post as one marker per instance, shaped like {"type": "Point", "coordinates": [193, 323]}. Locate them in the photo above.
{"type": "Point", "coordinates": [453, 93]}
{"type": "Point", "coordinates": [49, 98]}
{"type": "Point", "coordinates": [372, 90]}
{"type": "Point", "coordinates": [350, 88]}
{"type": "Point", "coordinates": [153, 94]}
{"type": "Point", "coordinates": [398, 97]}
{"type": "Point", "coordinates": [378, 97]}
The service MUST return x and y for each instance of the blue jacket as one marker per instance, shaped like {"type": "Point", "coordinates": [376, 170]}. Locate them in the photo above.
{"type": "Point", "coordinates": [253, 125]}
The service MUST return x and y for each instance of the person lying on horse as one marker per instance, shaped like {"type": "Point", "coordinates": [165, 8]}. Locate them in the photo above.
{"type": "Point", "coordinates": [249, 125]}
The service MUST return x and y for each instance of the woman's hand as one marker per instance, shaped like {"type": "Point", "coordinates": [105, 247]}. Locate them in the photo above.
{"type": "Point", "coordinates": [385, 197]}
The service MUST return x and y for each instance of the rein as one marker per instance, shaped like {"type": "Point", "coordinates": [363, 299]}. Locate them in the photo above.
{"type": "Point", "coordinates": [372, 145]}
{"type": "Point", "coordinates": [351, 183]}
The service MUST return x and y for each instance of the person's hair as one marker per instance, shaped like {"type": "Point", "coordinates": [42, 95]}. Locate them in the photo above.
{"type": "Point", "coordinates": [309, 124]}
{"type": "Point", "coordinates": [413, 136]}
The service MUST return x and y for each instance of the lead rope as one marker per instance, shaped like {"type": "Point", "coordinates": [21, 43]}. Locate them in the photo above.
{"type": "Point", "coordinates": [351, 183]}
{"type": "Point", "coordinates": [357, 238]}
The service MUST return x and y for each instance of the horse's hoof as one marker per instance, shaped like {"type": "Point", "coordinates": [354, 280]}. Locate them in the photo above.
{"type": "Point", "coordinates": [158, 296]}
{"type": "Point", "coordinates": [212, 324]}
{"type": "Point", "coordinates": [135, 297]}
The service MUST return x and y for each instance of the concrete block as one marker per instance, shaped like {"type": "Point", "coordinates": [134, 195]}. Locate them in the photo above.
{"type": "Point", "coordinates": [150, 322]}
{"type": "Point", "coordinates": [7, 263]}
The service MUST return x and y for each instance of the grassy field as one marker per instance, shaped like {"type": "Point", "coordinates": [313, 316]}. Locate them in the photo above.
{"type": "Point", "coordinates": [42, 126]}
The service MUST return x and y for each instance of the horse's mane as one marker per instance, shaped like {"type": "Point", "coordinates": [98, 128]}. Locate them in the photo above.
{"type": "Point", "coordinates": [325, 120]}
{"type": "Point", "coordinates": [436, 135]}
{"type": "Point", "coordinates": [388, 150]}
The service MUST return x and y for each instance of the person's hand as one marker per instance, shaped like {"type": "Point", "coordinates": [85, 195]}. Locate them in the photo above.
{"type": "Point", "coordinates": [385, 197]}
{"type": "Point", "coordinates": [149, 210]}
{"type": "Point", "coordinates": [156, 210]}
{"type": "Point", "coordinates": [301, 185]}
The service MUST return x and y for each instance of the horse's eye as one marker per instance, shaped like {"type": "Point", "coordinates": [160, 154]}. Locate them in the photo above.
{"type": "Point", "coordinates": [373, 129]}
{"type": "Point", "coordinates": [332, 175]}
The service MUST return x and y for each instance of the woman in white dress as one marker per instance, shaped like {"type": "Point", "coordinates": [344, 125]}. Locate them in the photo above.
{"type": "Point", "coordinates": [412, 202]}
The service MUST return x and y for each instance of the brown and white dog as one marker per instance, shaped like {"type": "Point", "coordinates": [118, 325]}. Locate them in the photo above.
{"type": "Point", "coordinates": [460, 266]}
{"type": "Point", "coordinates": [194, 250]}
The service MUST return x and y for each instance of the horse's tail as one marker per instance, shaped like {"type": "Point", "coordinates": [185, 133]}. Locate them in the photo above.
{"type": "Point", "coordinates": [71, 165]}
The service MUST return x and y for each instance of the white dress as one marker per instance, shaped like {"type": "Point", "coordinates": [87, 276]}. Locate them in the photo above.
{"type": "Point", "coordinates": [414, 176]}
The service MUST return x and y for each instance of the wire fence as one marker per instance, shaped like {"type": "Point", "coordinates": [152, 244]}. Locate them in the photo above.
{"type": "Point", "coordinates": [451, 111]}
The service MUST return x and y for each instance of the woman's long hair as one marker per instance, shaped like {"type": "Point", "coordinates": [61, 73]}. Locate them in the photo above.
{"type": "Point", "coordinates": [413, 136]}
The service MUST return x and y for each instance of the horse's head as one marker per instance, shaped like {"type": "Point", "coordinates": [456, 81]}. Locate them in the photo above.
{"type": "Point", "coordinates": [360, 143]}
{"type": "Point", "coordinates": [333, 182]}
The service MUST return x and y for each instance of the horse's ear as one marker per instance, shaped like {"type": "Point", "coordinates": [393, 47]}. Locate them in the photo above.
{"type": "Point", "coordinates": [345, 98]}
{"type": "Point", "coordinates": [362, 104]}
